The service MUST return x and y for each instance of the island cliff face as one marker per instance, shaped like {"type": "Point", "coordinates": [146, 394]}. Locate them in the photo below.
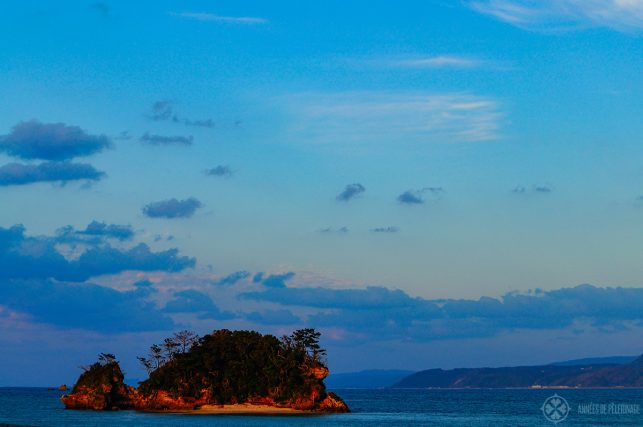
{"type": "Point", "coordinates": [101, 387]}
{"type": "Point", "coordinates": [223, 368]}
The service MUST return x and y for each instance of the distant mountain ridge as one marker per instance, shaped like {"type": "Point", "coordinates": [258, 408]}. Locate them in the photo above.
{"type": "Point", "coordinates": [564, 374]}
{"type": "Point", "coordinates": [612, 360]}
{"type": "Point", "coordinates": [367, 379]}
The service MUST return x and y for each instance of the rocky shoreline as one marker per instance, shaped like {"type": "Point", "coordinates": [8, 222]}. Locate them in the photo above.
{"type": "Point", "coordinates": [101, 387]}
{"type": "Point", "coordinates": [128, 398]}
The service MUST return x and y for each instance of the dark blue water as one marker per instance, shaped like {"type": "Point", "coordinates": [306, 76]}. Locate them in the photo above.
{"type": "Point", "coordinates": [41, 407]}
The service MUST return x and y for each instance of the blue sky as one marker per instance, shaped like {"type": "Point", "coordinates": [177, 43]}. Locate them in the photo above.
{"type": "Point", "coordinates": [159, 155]}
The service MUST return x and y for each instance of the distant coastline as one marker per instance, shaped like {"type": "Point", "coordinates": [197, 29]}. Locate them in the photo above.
{"type": "Point", "coordinates": [554, 376]}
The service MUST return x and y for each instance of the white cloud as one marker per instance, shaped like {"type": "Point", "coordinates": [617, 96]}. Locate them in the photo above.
{"type": "Point", "coordinates": [441, 61]}
{"type": "Point", "coordinates": [366, 117]}
{"type": "Point", "coordinates": [621, 15]}
{"type": "Point", "coordinates": [433, 62]}
{"type": "Point", "coordinates": [209, 17]}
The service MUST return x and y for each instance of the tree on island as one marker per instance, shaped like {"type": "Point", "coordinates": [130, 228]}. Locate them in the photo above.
{"type": "Point", "coordinates": [160, 354]}
{"type": "Point", "coordinates": [225, 367]}
{"type": "Point", "coordinates": [106, 359]}
{"type": "Point", "coordinates": [185, 340]}
{"type": "Point", "coordinates": [234, 366]}
{"type": "Point", "coordinates": [100, 386]}
{"type": "Point", "coordinates": [308, 340]}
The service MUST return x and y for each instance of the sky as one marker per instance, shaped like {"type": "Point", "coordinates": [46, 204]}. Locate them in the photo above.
{"type": "Point", "coordinates": [428, 183]}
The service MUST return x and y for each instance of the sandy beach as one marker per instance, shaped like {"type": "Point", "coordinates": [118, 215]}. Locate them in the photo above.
{"type": "Point", "coordinates": [241, 409]}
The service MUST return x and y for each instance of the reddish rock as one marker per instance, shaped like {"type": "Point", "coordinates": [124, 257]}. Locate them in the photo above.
{"type": "Point", "coordinates": [103, 398]}
{"type": "Point", "coordinates": [205, 375]}
{"type": "Point", "coordinates": [319, 372]}
{"type": "Point", "coordinates": [163, 401]}
{"type": "Point", "coordinates": [333, 403]}
{"type": "Point", "coordinates": [100, 388]}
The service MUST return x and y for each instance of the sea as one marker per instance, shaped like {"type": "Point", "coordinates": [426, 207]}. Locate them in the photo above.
{"type": "Point", "coordinates": [386, 407]}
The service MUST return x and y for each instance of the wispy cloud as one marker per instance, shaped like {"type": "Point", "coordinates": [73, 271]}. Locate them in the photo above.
{"type": "Point", "coordinates": [27, 257]}
{"type": "Point", "coordinates": [543, 189]}
{"type": "Point", "coordinates": [621, 15]}
{"type": "Point", "coordinates": [417, 197]}
{"type": "Point", "coordinates": [381, 313]}
{"type": "Point", "coordinates": [102, 9]}
{"type": "Point", "coordinates": [163, 110]}
{"type": "Point", "coordinates": [232, 278]}
{"type": "Point", "coordinates": [390, 229]}
{"type": "Point", "coordinates": [537, 189]}
{"type": "Point", "coordinates": [85, 306]}
{"type": "Point", "coordinates": [439, 61]}
{"type": "Point", "coordinates": [375, 117]}
{"type": "Point", "coordinates": [201, 123]}
{"type": "Point", "coordinates": [410, 198]}
{"type": "Point", "coordinates": [172, 208]}
{"type": "Point", "coordinates": [51, 141]}
{"type": "Point", "coordinates": [210, 17]}
{"type": "Point", "coordinates": [273, 317]}
{"type": "Point", "coordinates": [350, 192]}
{"type": "Point", "coordinates": [278, 280]}
{"type": "Point", "coordinates": [330, 230]}
{"type": "Point", "coordinates": [95, 232]}
{"type": "Point", "coordinates": [61, 172]}
{"type": "Point", "coordinates": [273, 280]}
{"type": "Point", "coordinates": [151, 139]}
{"type": "Point", "coordinates": [222, 171]}
{"type": "Point", "coordinates": [194, 301]}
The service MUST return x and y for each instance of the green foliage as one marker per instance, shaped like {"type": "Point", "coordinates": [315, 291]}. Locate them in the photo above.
{"type": "Point", "coordinates": [106, 358]}
{"type": "Point", "coordinates": [308, 340]}
{"type": "Point", "coordinates": [105, 371]}
{"type": "Point", "coordinates": [235, 366]}
{"type": "Point", "coordinates": [159, 355]}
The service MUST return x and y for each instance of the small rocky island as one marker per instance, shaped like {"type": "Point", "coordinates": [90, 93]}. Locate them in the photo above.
{"type": "Point", "coordinates": [223, 372]}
